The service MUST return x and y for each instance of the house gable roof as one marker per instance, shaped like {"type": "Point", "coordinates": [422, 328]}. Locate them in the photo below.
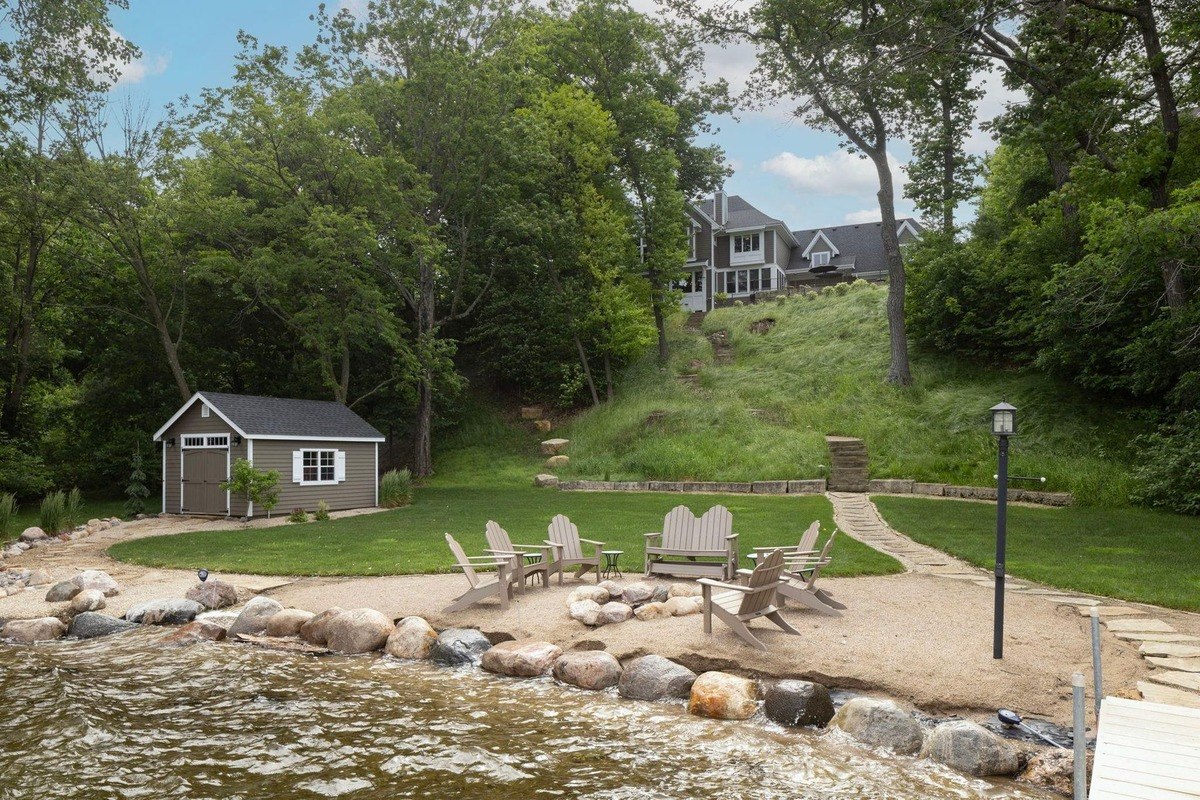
{"type": "Point", "coordinates": [820, 236]}
{"type": "Point", "coordinates": [257, 417]}
{"type": "Point", "coordinates": [858, 245]}
{"type": "Point", "coordinates": [742, 215]}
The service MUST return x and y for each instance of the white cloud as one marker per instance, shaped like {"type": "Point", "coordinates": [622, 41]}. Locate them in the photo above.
{"type": "Point", "coordinates": [865, 215]}
{"type": "Point", "coordinates": [995, 100]}
{"type": "Point", "coordinates": [836, 173]}
{"type": "Point", "coordinates": [139, 69]}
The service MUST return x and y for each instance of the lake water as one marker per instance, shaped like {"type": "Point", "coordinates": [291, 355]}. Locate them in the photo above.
{"type": "Point", "coordinates": [125, 717]}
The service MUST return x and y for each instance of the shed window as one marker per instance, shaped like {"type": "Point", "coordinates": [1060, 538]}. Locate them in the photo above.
{"type": "Point", "coordinates": [318, 466]}
{"type": "Point", "coordinates": [203, 410]}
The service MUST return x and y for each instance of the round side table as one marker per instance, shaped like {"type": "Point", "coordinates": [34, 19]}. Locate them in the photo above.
{"type": "Point", "coordinates": [610, 564]}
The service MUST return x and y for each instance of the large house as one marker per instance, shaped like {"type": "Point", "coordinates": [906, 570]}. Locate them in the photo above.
{"type": "Point", "coordinates": [739, 251]}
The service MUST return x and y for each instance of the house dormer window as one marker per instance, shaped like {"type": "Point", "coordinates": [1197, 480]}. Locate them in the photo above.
{"type": "Point", "coordinates": [820, 259]}
{"type": "Point", "coordinates": [748, 243]}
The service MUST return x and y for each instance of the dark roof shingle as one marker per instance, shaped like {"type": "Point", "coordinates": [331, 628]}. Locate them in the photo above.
{"type": "Point", "coordinates": [281, 416]}
{"type": "Point", "coordinates": [860, 245]}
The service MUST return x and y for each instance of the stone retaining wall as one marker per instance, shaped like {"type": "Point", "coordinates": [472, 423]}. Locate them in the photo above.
{"type": "Point", "coordinates": [902, 486]}
{"type": "Point", "coordinates": [816, 486]}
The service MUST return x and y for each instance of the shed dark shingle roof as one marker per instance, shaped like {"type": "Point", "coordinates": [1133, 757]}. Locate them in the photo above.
{"type": "Point", "coordinates": [280, 416]}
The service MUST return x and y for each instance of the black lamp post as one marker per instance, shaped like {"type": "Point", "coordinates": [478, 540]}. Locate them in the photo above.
{"type": "Point", "coordinates": [1004, 424]}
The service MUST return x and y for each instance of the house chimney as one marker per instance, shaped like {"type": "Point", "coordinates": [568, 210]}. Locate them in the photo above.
{"type": "Point", "coordinates": [720, 206]}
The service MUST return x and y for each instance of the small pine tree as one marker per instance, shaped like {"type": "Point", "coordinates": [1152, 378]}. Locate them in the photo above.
{"type": "Point", "coordinates": [135, 486]}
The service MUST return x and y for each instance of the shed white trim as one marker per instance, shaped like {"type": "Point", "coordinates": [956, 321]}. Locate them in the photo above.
{"type": "Point", "coordinates": [281, 438]}
{"type": "Point", "coordinates": [198, 396]}
{"type": "Point", "coordinates": [250, 458]}
{"type": "Point", "coordinates": [164, 477]}
{"type": "Point", "coordinates": [377, 474]}
{"type": "Point", "coordinates": [821, 235]}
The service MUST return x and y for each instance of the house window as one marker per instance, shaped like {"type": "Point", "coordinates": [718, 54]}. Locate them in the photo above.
{"type": "Point", "coordinates": [766, 279]}
{"type": "Point", "coordinates": [749, 243]}
{"type": "Point", "coordinates": [820, 259]}
{"type": "Point", "coordinates": [318, 466]}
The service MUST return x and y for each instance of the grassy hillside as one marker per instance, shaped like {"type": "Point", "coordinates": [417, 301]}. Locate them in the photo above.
{"type": "Point", "coordinates": [820, 370]}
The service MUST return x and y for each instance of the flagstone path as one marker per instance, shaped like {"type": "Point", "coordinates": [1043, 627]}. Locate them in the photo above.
{"type": "Point", "coordinates": [1175, 656]}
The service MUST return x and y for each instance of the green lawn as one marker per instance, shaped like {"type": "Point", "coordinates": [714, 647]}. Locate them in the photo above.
{"type": "Point", "coordinates": [1132, 554]}
{"type": "Point", "coordinates": [409, 540]}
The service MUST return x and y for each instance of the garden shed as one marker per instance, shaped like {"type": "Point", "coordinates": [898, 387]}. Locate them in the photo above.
{"type": "Point", "coordinates": [322, 450]}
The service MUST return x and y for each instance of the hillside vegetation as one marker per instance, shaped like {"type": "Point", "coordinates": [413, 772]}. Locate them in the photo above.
{"type": "Point", "coordinates": [819, 370]}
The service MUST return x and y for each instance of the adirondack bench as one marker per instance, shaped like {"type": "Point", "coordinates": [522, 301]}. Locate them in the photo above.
{"type": "Point", "coordinates": [738, 605]}
{"type": "Point", "coordinates": [568, 549]}
{"type": "Point", "coordinates": [481, 588]}
{"type": "Point", "coordinates": [500, 545]}
{"type": "Point", "coordinates": [1146, 750]}
{"type": "Point", "coordinates": [684, 540]}
{"type": "Point", "coordinates": [799, 580]}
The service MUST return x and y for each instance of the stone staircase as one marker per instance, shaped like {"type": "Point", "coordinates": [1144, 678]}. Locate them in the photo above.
{"type": "Point", "coordinates": [694, 320]}
{"type": "Point", "coordinates": [847, 464]}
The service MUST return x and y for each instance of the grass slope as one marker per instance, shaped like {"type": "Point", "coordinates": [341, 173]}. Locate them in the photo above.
{"type": "Point", "coordinates": [820, 371]}
{"type": "Point", "coordinates": [1132, 554]}
{"type": "Point", "coordinates": [409, 540]}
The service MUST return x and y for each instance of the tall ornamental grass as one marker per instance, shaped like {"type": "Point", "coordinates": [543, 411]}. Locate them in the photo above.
{"type": "Point", "coordinates": [396, 488]}
{"type": "Point", "coordinates": [53, 515]}
{"type": "Point", "coordinates": [8, 513]}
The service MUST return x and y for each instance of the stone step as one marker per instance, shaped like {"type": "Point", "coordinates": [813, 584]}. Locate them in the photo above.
{"type": "Point", "coordinates": [1180, 680]}
{"type": "Point", "coordinates": [1170, 649]}
{"type": "Point", "coordinates": [1164, 694]}
{"type": "Point", "coordinates": [1111, 611]}
{"type": "Point", "coordinates": [1150, 636]}
{"type": "Point", "coordinates": [1139, 625]}
{"type": "Point", "coordinates": [1177, 664]}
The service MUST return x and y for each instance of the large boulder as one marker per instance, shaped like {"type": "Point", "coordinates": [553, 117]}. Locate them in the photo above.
{"type": "Point", "coordinates": [97, 579]}
{"type": "Point", "coordinates": [213, 594]}
{"type": "Point", "coordinates": [585, 611]}
{"type": "Point", "coordinates": [33, 534]}
{"type": "Point", "coordinates": [521, 659]}
{"type": "Point", "coordinates": [87, 600]}
{"type": "Point", "coordinates": [254, 617]}
{"type": "Point", "coordinates": [28, 631]}
{"type": "Point", "coordinates": [545, 480]}
{"type": "Point", "coordinates": [652, 611]}
{"type": "Point", "coordinates": [172, 611]}
{"type": "Point", "coordinates": [636, 594]}
{"type": "Point", "coordinates": [588, 669]}
{"type": "Point", "coordinates": [683, 606]}
{"type": "Point", "coordinates": [971, 748]}
{"type": "Point", "coordinates": [880, 723]}
{"type": "Point", "coordinates": [552, 447]}
{"type": "Point", "coordinates": [613, 588]}
{"type": "Point", "coordinates": [459, 646]}
{"type": "Point", "coordinates": [314, 631]}
{"type": "Point", "coordinates": [597, 594]}
{"type": "Point", "coordinates": [38, 577]}
{"type": "Point", "coordinates": [796, 703]}
{"type": "Point", "coordinates": [720, 695]}
{"type": "Point", "coordinates": [62, 591]}
{"type": "Point", "coordinates": [655, 678]}
{"type": "Point", "coordinates": [359, 630]}
{"type": "Point", "coordinates": [413, 639]}
{"type": "Point", "coordinates": [197, 631]}
{"type": "Point", "coordinates": [613, 612]}
{"type": "Point", "coordinates": [90, 625]}
{"type": "Point", "coordinates": [287, 622]}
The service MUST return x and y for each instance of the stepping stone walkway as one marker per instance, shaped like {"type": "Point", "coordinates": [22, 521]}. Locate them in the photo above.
{"type": "Point", "coordinates": [1175, 656]}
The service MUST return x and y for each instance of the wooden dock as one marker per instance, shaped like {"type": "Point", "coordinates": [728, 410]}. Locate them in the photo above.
{"type": "Point", "coordinates": [1146, 751]}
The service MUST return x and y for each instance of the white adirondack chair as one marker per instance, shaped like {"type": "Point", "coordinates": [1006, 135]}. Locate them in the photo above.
{"type": "Point", "coordinates": [738, 605]}
{"type": "Point", "coordinates": [685, 538]}
{"type": "Point", "coordinates": [568, 549]}
{"type": "Point", "coordinates": [481, 589]}
{"type": "Point", "coordinates": [500, 545]}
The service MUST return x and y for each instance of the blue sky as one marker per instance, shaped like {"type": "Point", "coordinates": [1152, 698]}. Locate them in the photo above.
{"type": "Point", "coordinates": [786, 169]}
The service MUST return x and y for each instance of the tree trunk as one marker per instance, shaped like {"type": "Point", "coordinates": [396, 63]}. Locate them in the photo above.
{"type": "Point", "coordinates": [898, 371]}
{"type": "Point", "coordinates": [608, 379]}
{"type": "Point", "coordinates": [664, 353]}
{"type": "Point", "coordinates": [426, 331]}
{"type": "Point", "coordinates": [947, 102]}
{"type": "Point", "coordinates": [587, 370]}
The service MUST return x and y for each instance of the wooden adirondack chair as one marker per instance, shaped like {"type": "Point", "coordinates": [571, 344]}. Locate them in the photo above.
{"type": "Point", "coordinates": [800, 580]}
{"type": "Point", "coordinates": [500, 545]}
{"type": "Point", "coordinates": [568, 549]}
{"type": "Point", "coordinates": [480, 588]}
{"type": "Point", "coordinates": [807, 545]}
{"type": "Point", "coordinates": [740, 604]}
{"type": "Point", "coordinates": [684, 539]}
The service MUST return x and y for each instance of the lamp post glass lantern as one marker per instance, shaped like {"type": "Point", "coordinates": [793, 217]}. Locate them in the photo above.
{"type": "Point", "coordinates": [1004, 424]}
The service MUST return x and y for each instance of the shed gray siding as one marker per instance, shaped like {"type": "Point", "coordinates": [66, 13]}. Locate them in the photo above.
{"type": "Point", "coordinates": [357, 491]}
{"type": "Point", "coordinates": [193, 423]}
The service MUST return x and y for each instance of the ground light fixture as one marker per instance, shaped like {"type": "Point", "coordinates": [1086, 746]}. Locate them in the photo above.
{"type": "Point", "coordinates": [1004, 425]}
{"type": "Point", "coordinates": [1012, 719]}
{"type": "Point", "coordinates": [202, 575]}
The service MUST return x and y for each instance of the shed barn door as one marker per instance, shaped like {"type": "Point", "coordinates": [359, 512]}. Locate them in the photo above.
{"type": "Point", "coordinates": [203, 472]}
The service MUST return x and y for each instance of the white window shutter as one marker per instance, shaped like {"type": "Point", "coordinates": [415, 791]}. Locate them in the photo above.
{"type": "Point", "coordinates": [339, 465]}
{"type": "Point", "coordinates": [297, 466]}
